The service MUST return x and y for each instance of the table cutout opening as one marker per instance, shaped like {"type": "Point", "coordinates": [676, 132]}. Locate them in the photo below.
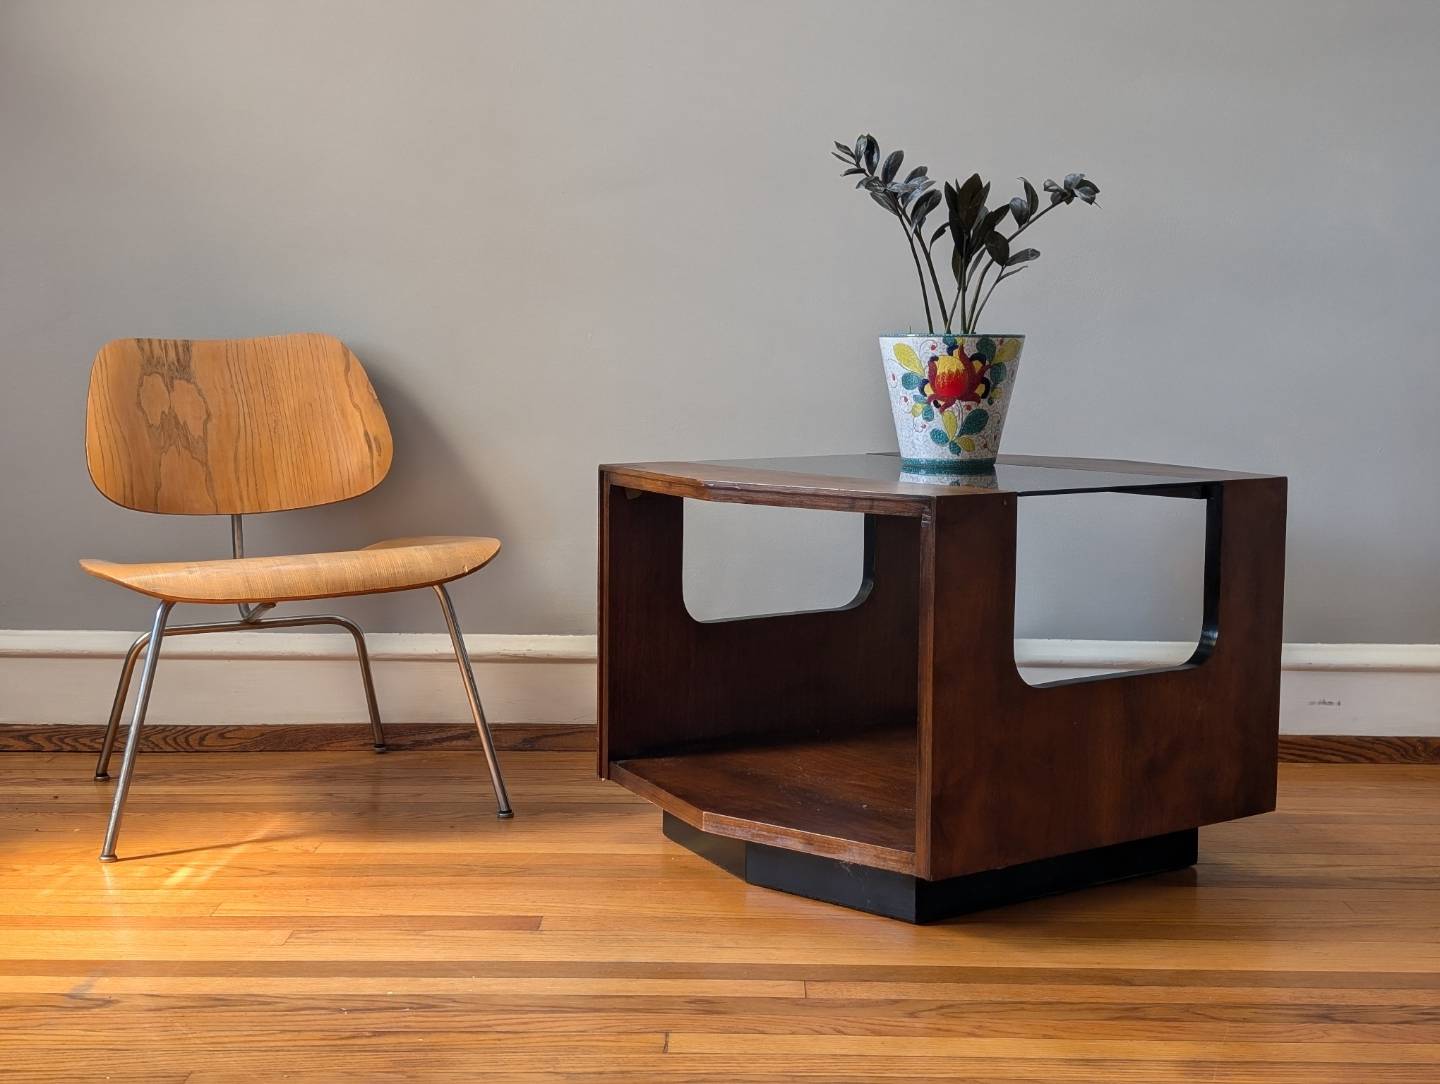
{"type": "Point", "coordinates": [1108, 585]}
{"type": "Point", "coordinates": [748, 561]}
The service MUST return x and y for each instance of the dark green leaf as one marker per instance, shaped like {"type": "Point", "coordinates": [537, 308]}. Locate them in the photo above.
{"type": "Point", "coordinates": [971, 196]}
{"type": "Point", "coordinates": [852, 171]}
{"type": "Point", "coordinates": [1021, 256]}
{"type": "Point", "coordinates": [985, 225]}
{"type": "Point", "coordinates": [845, 150]}
{"type": "Point", "coordinates": [1032, 198]}
{"type": "Point", "coordinates": [997, 374]}
{"type": "Point", "coordinates": [883, 201]}
{"type": "Point", "coordinates": [959, 227]}
{"type": "Point", "coordinates": [985, 348]}
{"type": "Point", "coordinates": [872, 153]}
{"type": "Point", "coordinates": [1020, 209]}
{"type": "Point", "coordinates": [916, 173]}
{"type": "Point", "coordinates": [939, 437]}
{"type": "Point", "coordinates": [975, 421]}
{"type": "Point", "coordinates": [999, 248]}
{"type": "Point", "coordinates": [891, 166]}
{"type": "Point", "coordinates": [923, 206]}
{"type": "Point", "coordinates": [939, 233]}
{"type": "Point", "coordinates": [1072, 179]}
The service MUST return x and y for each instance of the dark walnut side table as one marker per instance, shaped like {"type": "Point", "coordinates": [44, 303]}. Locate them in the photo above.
{"type": "Point", "coordinates": [887, 755]}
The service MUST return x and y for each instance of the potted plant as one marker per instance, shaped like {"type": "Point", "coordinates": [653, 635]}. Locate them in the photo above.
{"type": "Point", "coordinates": [949, 387]}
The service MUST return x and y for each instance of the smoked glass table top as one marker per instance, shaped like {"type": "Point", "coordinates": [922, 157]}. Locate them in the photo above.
{"type": "Point", "coordinates": [882, 473]}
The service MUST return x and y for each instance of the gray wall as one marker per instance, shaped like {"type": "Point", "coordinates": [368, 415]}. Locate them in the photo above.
{"type": "Point", "coordinates": [566, 233]}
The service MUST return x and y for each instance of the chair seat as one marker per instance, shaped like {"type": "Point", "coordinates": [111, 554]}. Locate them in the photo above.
{"type": "Point", "coordinates": [397, 564]}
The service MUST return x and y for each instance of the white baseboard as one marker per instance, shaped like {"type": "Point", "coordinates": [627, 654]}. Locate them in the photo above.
{"type": "Point", "coordinates": [50, 676]}
{"type": "Point", "coordinates": [247, 678]}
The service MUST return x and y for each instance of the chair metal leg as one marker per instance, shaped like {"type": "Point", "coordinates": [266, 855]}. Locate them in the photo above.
{"type": "Point", "coordinates": [462, 658]}
{"type": "Point", "coordinates": [127, 671]}
{"type": "Point", "coordinates": [137, 721]}
{"type": "Point", "coordinates": [363, 654]}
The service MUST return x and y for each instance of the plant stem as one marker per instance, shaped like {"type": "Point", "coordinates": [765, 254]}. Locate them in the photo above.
{"type": "Point", "coordinates": [974, 313]}
{"type": "Point", "coordinates": [961, 302]}
{"type": "Point", "coordinates": [934, 278]}
{"type": "Point", "coordinates": [981, 307]}
{"type": "Point", "coordinates": [924, 293]}
{"type": "Point", "coordinates": [970, 316]}
{"type": "Point", "coordinates": [1037, 217]}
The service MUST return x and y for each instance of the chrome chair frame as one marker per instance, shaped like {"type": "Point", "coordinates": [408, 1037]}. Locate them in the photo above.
{"type": "Point", "coordinates": [251, 620]}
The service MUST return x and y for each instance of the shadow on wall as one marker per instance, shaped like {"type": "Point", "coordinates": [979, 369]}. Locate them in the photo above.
{"type": "Point", "coordinates": [432, 489]}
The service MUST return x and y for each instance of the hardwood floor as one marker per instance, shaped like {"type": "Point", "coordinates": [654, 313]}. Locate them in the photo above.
{"type": "Point", "coordinates": [318, 916]}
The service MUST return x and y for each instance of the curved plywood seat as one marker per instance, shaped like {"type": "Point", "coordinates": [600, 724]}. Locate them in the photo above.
{"type": "Point", "coordinates": [397, 564]}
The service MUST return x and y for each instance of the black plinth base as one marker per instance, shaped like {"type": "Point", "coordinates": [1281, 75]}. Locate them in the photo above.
{"type": "Point", "coordinates": [899, 895]}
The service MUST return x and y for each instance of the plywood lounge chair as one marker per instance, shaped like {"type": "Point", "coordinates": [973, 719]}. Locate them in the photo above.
{"type": "Point", "coordinates": [230, 427]}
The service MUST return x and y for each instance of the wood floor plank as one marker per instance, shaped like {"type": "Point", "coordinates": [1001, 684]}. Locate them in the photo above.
{"type": "Point", "coordinates": [323, 915]}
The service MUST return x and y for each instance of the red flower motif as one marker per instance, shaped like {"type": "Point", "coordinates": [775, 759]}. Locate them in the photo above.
{"type": "Point", "coordinates": [956, 377]}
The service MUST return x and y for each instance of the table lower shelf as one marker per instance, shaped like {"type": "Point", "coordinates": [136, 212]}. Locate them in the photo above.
{"type": "Point", "coordinates": [850, 797]}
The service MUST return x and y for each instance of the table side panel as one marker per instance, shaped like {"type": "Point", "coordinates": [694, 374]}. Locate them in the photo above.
{"type": "Point", "coordinates": [1012, 773]}
{"type": "Point", "coordinates": [668, 680]}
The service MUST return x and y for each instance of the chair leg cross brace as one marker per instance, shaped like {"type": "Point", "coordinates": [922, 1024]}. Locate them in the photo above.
{"type": "Point", "coordinates": [252, 621]}
{"type": "Point", "coordinates": [127, 671]}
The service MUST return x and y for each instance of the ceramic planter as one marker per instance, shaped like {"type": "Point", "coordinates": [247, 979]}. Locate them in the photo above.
{"type": "Point", "coordinates": [948, 394]}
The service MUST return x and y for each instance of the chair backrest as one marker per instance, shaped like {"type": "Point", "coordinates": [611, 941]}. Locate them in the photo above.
{"type": "Point", "coordinates": [229, 426]}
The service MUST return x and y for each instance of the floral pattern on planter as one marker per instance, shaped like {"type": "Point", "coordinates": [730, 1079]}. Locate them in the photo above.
{"type": "Point", "coordinates": [948, 394]}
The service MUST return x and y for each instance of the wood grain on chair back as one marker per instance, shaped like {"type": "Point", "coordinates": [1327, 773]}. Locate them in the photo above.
{"type": "Point", "coordinates": [233, 426]}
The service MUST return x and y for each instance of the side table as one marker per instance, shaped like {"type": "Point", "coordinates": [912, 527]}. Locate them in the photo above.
{"type": "Point", "coordinates": [887, 755]}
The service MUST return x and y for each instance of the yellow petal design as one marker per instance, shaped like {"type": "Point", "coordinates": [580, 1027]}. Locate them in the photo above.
{"type": "Point", "coordinates": [908, 358]}
{"type": "Point", "coordinates": [951, 425]}
{"type": "Point", "coordinates": [1007, 351]}
{"type": "Point", "coordinates": [917, 410]}
{"type": "Point", "coordinates": [967, 444]}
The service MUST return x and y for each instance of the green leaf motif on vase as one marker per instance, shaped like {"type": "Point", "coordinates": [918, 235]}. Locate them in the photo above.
{"type": "Point", "coordinates": [975, 421]}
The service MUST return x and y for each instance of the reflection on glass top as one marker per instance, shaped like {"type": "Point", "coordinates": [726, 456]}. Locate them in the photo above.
{"type": "Point", "coordinates": [1013, 474]}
